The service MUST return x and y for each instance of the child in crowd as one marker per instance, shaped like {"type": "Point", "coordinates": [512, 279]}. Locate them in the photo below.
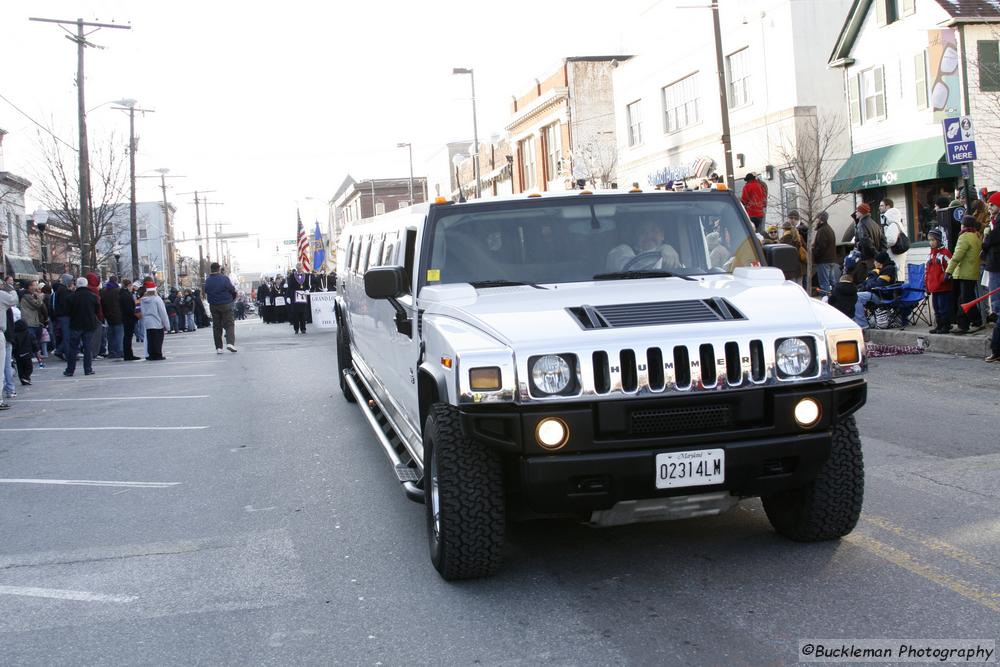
{"type": "Point", "coordinates": [24, 348]}
{"type": "Point", "coordinates": [844, 296]}
{"type": "Point", "coordinates": [938, 283]}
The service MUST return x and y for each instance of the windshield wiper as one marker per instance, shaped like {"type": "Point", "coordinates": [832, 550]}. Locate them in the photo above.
{"type": "Point", "coordinates": [502, 283]}
{"type": "Point", "coordinates": [634, 275]}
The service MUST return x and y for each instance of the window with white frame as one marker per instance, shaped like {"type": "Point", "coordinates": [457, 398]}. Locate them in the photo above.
{"type": "Point", "coordinates": [738, 77]}
{"type": "Point", "coordinates": [553, 150]}
{"type": "Point", "coordinates": [528, 168]}
{"type": "Point", "coordinates": [873, 94]}
{"type": "Point", "coordinates": [789, 192]}
{"type": "Point", "coordinates": [633, 115]}
{"type": "Point", "coordinates": [680, 104]}
{"type": "Point", "coordinates": [907, 7]}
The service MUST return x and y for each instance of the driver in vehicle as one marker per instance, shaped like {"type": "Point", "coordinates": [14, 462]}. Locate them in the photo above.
{"type": "Point", "coordinates": [648, 241]}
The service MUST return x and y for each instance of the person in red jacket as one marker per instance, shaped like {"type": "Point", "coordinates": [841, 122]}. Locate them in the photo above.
{"type": "Point", "coordinates": [938, 283]}
{"type": "Point", "coordinates": [754, 200]}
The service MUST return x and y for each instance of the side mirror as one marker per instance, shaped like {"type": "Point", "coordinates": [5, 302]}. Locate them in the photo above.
{"type": "Point", "coordinates": [385, 282]}
{"type": "Point", "coordinates": [780, 256]}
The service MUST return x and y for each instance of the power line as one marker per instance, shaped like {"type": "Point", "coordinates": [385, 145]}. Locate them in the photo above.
{"type": "Point", "coordinates": [47, 130]}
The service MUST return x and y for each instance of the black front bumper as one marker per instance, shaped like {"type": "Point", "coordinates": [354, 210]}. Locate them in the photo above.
{"type": "Point", "coordinates": [611, 452]}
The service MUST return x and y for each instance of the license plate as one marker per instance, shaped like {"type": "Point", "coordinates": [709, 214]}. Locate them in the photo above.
{"type": "Point", "coordinates": [701, 467]}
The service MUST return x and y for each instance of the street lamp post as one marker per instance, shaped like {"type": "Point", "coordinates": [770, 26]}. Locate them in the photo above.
{"type": "Point", "coordinates": [41, 219]}
{"type": "Point", "coordinates": [475, 128]}
{"type": "Point", "coordinates": [118, 265]}
{"type": "Point", "coordinates": [409, 146]}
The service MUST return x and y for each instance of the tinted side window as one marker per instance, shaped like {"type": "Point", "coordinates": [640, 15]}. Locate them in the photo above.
{"type": "Point", "coordinates": [363, 259]}
{"type": "Point", "coordinates": [375, 256]}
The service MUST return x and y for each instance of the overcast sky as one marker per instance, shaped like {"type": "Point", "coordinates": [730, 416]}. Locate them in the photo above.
{"type": "Point", "coordinates": [271, 103]}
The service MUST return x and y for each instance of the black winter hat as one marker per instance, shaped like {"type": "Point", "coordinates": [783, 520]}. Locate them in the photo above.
{"type": "Point", "coordinates": [883, 257]}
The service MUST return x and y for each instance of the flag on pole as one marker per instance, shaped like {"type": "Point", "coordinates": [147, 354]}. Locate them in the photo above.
{"type": "Point", "coordinates": [303, 262]}
{"type": "Point", "coordinates": [319, 251]}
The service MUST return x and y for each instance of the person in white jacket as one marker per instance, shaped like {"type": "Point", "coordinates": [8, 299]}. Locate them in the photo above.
{"type": "Point", "coordinates": [8, 302]}
{"type": "Point", "coordinates": [892, 225]}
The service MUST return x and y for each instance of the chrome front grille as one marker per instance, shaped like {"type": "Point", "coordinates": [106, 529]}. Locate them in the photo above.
{"type": "Point", "coordinates": [653, 368]}
{"type": "Point", "coordinates": [658, 369]}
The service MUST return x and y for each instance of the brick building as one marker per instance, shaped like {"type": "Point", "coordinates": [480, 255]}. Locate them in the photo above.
{"type": "Point", "coordinates": [563, 128]}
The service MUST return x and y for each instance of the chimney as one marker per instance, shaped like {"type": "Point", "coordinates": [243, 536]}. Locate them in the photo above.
{"type": "Point", "coordinates": [3, 133]}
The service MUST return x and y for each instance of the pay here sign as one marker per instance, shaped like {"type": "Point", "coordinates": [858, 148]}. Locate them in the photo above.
{"type": "Point", "coordinates": [959, 140]}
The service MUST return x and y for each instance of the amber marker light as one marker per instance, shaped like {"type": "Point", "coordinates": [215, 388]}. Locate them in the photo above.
{"type": "Point", "coordinates": [446, 362]}
{"type": "Point", "coordinates": [484, 379]}
{"type": "Point", "coordinates": [848, 353]}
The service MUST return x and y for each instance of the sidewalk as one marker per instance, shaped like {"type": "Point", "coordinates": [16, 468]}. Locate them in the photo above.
{"type": "Point", "coordinates": [970, 345]}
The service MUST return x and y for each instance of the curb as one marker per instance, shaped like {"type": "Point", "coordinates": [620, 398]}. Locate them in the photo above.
{"type": "Point", "coordinates": [970, 345]}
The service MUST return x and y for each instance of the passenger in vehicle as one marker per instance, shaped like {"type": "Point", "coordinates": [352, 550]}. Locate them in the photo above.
{"type": "Point", "coordinates": [649, 238]}
{"type": "Point", "coordinates": [718, 253]}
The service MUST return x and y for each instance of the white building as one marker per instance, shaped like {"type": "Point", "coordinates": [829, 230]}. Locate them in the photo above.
{"type": "Point", "coordinates": [15, 247]}
{"type": "Point", "coordinates": [153, 239]}
{"type": "Point", "coordinates": [667, 104]}
{"type": "Point", "coordinates": [908, 65]}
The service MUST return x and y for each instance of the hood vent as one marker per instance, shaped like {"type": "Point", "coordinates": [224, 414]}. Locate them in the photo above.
{"type": "Point", "coordinates": [656, 313]}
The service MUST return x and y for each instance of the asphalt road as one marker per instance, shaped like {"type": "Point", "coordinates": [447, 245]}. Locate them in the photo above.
{"type": "Point", "coordinates": [253, 520]}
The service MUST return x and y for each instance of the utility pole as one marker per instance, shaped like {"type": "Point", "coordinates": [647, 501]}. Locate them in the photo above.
{"type": "Point", "coordinates": [197, 221]}
{"type": "Point", "coordinates": [727, 148]}
{"type": "Point", "coordinates": [168, 231]}
{"type": "Point", "coordinates": [87, 253]}
{"type": "Point", "coordinates": [133, 145]}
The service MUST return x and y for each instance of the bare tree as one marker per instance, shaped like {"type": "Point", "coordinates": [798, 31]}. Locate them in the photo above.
{"type": "Point", "coordinates": [811, 158]}
{"type": "Point", "coordinates": [58, 186]}
{"type": "Point", "coordinates": [596, 162]}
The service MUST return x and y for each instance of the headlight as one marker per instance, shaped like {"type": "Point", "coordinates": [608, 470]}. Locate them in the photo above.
{"type": "Point", "coordinates": [794, 357]}
{"type": "Point", "coordinates": [551, 374]}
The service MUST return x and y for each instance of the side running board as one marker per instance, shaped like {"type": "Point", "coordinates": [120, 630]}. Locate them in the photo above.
{"type": "Point", "coordinates": [407, 473]}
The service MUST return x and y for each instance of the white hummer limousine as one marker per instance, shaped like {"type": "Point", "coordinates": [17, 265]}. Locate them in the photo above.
{"type": "Point", "coordinates": [612, 357]}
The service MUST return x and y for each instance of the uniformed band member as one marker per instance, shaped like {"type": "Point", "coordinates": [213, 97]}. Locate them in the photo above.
{"type": "Point", "coordinates": [297, 294]}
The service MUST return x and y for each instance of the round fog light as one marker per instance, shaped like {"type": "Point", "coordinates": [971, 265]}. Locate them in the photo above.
{"type": "Point", "coordinates": [552, 433]}
{"type": "Point", "coordinates": [807, 412]}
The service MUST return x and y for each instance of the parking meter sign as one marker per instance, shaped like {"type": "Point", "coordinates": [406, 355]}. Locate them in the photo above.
{"type": "Point", "coordinates": [959, 140]}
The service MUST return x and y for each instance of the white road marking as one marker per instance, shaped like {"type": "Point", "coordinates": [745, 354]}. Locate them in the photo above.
{"type": "Point", "coordinates": [62, 594]}
{"type": "Point", "coordinates": [116, 398]}
{"type": "Point", "coordinates": [128, 377]}
{"type": "Point", "coordinates": [92, 482]}
{"type": "Point", "coordinates": [108, 428]}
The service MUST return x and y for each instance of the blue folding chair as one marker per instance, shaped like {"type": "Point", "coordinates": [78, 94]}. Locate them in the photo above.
{"type": "Point", "coordinates": [902, 304]}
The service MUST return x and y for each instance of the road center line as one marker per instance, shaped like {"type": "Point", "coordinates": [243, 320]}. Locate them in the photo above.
{"type": "Point", "coordinates": [62, 594]}
{"type": "Point", "coordinates": [108, 428]}
{"type": "Point", "coordinates": [92, 482]}
{"type": "Point", "coordinates": [988, 599]}
{"type": "Point", "coordinates": [116, 398]}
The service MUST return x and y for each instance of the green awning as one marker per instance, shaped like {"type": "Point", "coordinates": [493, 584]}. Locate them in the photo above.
{"type": "Point", "coordinates": [902, 163]}
{"type": "Point", "coordinates": [21, 267]}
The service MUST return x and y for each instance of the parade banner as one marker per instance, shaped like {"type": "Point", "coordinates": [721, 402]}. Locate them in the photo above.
{"type": "Point", "coordinates": [323, 315]}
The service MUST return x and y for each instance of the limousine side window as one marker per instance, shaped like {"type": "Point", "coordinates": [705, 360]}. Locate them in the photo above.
{"type": "Point", "coordinates": [389, 254]}
{"type": "Point", "coordinates": [349, 256]}
{"type": "Point", "coordinates": [363, 255]}
{"type": "Point", "coordinates": [375, 256]}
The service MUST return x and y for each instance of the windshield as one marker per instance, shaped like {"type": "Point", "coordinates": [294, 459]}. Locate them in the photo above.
{"type": "Point", "coordinates": [586, 240]}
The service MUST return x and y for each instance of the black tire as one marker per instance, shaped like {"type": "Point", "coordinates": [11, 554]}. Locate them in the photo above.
{"type": "Point", "coordinates": [828, 507]}
{"type": "Point", "coordinates": [344, 362]}
{"type": "Point", "coordinates": [467, 540]}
